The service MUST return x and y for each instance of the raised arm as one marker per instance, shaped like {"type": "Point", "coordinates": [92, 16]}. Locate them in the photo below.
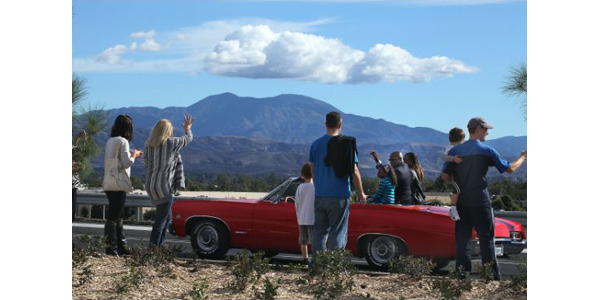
{"type": "Point", "coordinates": [183, 141]}
{"type": "Point", "coordinates": [515, 165]}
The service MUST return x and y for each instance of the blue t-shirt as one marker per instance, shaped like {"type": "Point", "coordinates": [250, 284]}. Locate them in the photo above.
{"type": "Point", "coordinates": [470, 175]}
{"type": "Point", "coordinates": [327, 184]}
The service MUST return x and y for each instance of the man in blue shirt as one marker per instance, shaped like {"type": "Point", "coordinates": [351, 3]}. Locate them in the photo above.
{"type": "Point", "coordinates": [474, 203]}
{"type": "Point", "coordinates": [332, 193]}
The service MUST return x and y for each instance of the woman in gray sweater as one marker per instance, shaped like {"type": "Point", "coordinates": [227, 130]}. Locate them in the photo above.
{"type": "Point", "coordinates": [160, 158]}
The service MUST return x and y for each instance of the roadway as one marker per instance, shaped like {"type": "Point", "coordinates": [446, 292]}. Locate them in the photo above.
{"type": "Point", "coordinates": [137, 234]}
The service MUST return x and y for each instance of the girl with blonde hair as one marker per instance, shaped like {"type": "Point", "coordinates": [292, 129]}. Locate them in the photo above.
{"type": "Point", "coordinates": [160, 157]}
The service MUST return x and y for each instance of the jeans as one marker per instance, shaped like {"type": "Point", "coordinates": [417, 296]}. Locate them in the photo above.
{"type": "Point", "coordinates": [116, 205]}
{"type": "Point", "coordinates": [331, 223]}
{"type": "Point", "coordinates": [482, 219]}
{"type": "Point", "coordinates": [74, 207]}
{"type": "Point", "coordinates": [161, 222]}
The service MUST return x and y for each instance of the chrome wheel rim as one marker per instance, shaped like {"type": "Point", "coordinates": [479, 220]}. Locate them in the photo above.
{"type": "Point", "coordinates": [383, 249]}
{"type": "Point", "coordinates": [208, 238]}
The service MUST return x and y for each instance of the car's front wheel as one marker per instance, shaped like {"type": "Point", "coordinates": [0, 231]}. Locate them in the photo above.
{"type": "Point", "coordinates": [380, 249]}
{"type": "Point", "coordinates": [210, 239]}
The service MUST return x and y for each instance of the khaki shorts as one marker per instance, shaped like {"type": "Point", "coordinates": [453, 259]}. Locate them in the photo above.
{"type": "Point", "coordinates": [306, 234]}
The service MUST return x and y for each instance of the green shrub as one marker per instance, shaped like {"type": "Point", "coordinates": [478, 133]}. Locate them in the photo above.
{"type": "Point", "coordinates": [198, 291]}
{"type": "Point", "coordinates": [269, 290]}
{"type": "Point", "coordinates": [93, 244]}
{"type": "Point", "coordinates": [454, 286]}
{"type": "Point", "coordinates": [247, 268]}
{"type": "Point", "coordinates": [79, 257]}
{"type": "Point", "coordinates": [332, 273]}
{"type": "Point", "coordinates": [134, 278]}
{"type": "Point", "coordinates": [486, 271]}
{"type": "Point", "coordinates": [415, 267]}
{"type": "Point", "coordinates": [85, 275]}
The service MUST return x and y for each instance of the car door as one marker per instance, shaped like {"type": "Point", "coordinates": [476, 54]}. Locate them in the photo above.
{"type": "Point", "coordinates": [274, 222]}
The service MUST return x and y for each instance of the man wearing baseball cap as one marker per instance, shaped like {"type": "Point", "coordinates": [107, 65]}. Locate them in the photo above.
{"type": "Point", "coordinates": [474, 203]}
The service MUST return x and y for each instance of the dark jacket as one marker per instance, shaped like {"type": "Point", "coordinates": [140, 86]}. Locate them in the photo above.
{"type": "Point", "coordinates": [402, 192]}
{"type": "Point", "coordinates": [341, 154]}
{"type": "Point", "coordinates": [417, 191]}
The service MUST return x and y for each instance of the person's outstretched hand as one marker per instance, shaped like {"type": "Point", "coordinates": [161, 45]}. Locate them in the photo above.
{"type": "Point", "coordinates": [457, 159]}
{"type": "Point", "coordinates": [524, 153]}
{"type": "Point", "coordinates": [375, 155]}
{"type": "Point", "coordinates": [187, 122]}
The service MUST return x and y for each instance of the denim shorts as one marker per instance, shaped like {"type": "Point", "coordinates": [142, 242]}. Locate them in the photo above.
{"type": "Point", "coordinates": [306, 234]}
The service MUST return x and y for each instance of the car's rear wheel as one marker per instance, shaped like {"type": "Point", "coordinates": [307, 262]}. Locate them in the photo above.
{"type": "Point", "coordinates": [380, 249]}
{"type": "Point", "coordinates": [210, 239]}
{"type": "Point", "coordinates": [440, 264]}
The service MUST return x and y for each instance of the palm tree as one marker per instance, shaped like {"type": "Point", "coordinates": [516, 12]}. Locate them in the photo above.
{"type": "Point", "coordinates": [87, 121]}
{"type": "Point", "coordinates": [516, 86]}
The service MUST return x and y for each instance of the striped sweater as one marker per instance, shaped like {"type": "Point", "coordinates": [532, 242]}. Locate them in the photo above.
{"type": "Point", "coordinates": [385, 192]}
{"type": "Point", "coordinates": [161, 164]}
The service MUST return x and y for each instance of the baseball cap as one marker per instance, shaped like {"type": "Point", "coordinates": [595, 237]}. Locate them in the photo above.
{"type": "Point", "coordinates": [477, 121]}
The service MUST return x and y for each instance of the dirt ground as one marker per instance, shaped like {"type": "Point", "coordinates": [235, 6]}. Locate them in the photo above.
{"type": "Point", "coordinates": [108, 270]}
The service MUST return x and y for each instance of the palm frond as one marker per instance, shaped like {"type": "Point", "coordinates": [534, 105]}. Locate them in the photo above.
{"type": "Point", "coordinates": [515, 86]}
{"type": "Point", "coordinates": [79, 90]}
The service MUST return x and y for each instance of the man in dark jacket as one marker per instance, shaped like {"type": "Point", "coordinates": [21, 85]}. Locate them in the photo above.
{"type": "Point", "coordinates": [402, 193]}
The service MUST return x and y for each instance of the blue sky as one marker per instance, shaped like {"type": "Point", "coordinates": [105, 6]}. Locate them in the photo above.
{"type": "Point", "coordinates": [432, 64]}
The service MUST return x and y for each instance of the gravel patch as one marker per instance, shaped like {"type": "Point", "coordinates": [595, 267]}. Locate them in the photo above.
{"type": "Point", "coordinates": [177, 284]}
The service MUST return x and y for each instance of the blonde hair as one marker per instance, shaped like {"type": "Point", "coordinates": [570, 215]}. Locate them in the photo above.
{"type": "Point", "coordinates": [160, 133]}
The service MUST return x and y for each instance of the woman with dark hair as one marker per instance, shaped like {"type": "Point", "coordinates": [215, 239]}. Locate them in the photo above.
{"type": "Point", "coordinates": [416, 186]}
{"type": "Point", "coordinates": [118, 146]}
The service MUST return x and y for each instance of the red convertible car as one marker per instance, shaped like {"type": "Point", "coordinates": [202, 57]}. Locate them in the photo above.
{"type": "Point", "coordinates": [376, 232]}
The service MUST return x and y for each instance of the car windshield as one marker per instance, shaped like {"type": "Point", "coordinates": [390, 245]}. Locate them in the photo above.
{"type": "Point", "coordinates": [287, 188]}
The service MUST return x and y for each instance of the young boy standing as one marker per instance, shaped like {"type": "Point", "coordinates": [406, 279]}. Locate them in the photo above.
{"type": "Point", "coordinates": [305, 211]}
{"type": "Point", "coordinates": [456, 137]}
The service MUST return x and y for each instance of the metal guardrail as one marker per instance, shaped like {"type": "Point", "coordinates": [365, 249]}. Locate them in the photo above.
{"type": "Point", "coordinates": [141, 201]}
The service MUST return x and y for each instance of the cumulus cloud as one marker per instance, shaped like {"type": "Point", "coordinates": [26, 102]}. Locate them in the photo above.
{"type": "Point", "coordinates": [143, 34]}
{"type": "Point", "coordinates": [112, 55]}
{"type": "Point", "coordinates": [258, 52]}
{"type": "Point", "coordinates": [150, 45]}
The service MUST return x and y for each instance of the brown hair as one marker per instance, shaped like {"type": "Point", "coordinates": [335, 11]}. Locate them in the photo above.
{"type": "Point", "coordinates": [306, 171]}
{"type": "Point", "coordinates": [456, 135]}
{"type": "Point", "coordinates": [387, 169]}
{"type": "Point", "coordinates": [122, 127]}
{"type": "Point", "coordinates": [412, 161]}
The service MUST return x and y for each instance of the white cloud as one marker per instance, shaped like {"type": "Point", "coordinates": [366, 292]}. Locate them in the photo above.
{"type": "Point", "coordinates": [259, 48]}
{"type": "Point", "coordinates": [143, 34]}
{"type": "Point", "coordinates": [150, 45]}
{"type": "Point", "coordinates": [187, 46]}
{"type": "Point", "coordinates": [258, 52]}
{"type": "Point", "coordinates": [112, 55]}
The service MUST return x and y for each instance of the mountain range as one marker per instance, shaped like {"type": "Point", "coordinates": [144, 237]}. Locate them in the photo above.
{"type": "Point", "coordinates": [257, 136]}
